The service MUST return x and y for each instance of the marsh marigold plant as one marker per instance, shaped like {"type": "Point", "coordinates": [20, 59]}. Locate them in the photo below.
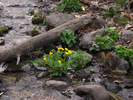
{"type": "Point", "coordinates": [62, 60]}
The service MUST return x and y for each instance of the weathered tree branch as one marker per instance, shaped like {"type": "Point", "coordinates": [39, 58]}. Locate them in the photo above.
{"type": "Point", "coordinates": [43, 39]}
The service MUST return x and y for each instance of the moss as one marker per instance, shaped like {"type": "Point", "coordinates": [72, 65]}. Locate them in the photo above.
{"type": "Point", "coordinates": [34, 32]}
{"type": "Point", "coordinates": [37, 20]}
{"type": "Point", "coordinates": [113, 96]}
{"type": "Point", "coordinates": [3, 30]}
{"type": "Point", "coordinates": [12, 66]}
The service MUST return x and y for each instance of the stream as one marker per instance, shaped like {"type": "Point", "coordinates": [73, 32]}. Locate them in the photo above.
{"type": "Point", "coordinates": [25, 85]}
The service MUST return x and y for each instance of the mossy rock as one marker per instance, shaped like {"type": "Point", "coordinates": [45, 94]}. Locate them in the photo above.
{"type": "Point", "coordinates": [3, 30]}
{"type": "Point", "coordinates": [113, 63]}
{"type": "Point", "coordinates": [34, 32]}
{"type": "Point", "coordinates": [37, 20]}
{"type": "Point", "coordinates": [113, 96]}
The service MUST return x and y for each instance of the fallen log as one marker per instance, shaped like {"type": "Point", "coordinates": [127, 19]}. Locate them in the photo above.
{"type": "Point", "coordinates": [38, 41]}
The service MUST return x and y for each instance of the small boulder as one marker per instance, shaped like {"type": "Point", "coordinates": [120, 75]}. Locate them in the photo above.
{"type": "Point", "coordinates": [96, 91]}
{"type": "Point", "coordinates": [98, 23]}
{"type": "Point", "coordinates": [115, 64]}
{"type": "Point", "coordinates": [126, 35]}
{"type": "Point", "coordinates": [86, 40]}
{"type": "Point", "coordinates": [55, 20]}
{"type": "Point", "coordinates": [59, 85]}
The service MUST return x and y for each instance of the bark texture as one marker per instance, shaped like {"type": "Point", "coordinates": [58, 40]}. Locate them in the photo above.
{"type": "Point", "coordinates": [38, 41]}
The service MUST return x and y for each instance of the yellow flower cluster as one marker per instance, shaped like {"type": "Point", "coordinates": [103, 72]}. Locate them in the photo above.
{"type": "Point", "coordinates": [59, 61]}
{"type": "Point", "coordinates": [45, 59]}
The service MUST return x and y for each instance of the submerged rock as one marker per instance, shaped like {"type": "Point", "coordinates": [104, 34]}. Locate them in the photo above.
{"type": "Point", "coordinates": [59, 85]}
{"type": "Point", "coordinates": [55, 20]}
{"type": "Point", "coordinates": [34, 32]}
{"type": "Point", "coordinates": [3, 30]}
{"type": "Point", "coordinates": [115, 64]}
{"type": "Point", "coordinates": [96, 91]}
{"type": "Point", "coordinates": [37, 20]}
{"type": "Point", "coordinates": [43, 74]}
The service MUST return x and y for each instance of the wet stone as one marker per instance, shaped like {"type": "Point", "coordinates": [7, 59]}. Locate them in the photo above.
{"type": "Point", "coordinates": [43, 74]}
{"type": "Point", "coordinates": [56, 84]}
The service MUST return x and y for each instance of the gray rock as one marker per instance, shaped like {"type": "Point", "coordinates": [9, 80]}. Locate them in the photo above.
{"type": "Point", "coordinates": [98, 23]}
{"type": "Point", "coordinates": [55, 20]}
{"type": "Point", "coordinates": [126, 35]}
{"type": "Point", "coordinates": [86, 40]}
{"type": "Point", "coordinates": [56, 84]}
{"type": "Point", "coordinates": [115, 64]}
{"type": "Point", "coordinates": [113, 87]}
{"type": "Point", "coordinates": [26, 68]}
{"type": "Point", "coordinates": [96, 91]}
{"type": "Point", "coordinates": [43, 74]}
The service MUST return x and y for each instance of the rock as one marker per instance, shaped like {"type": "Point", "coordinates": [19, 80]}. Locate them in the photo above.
{"type": "Point", "coordinates": [2, 41]}
{"type": "Point", "coordinates": [37, 20]}
{"type": "Point", "coordinates": [3, 30]}
{"type": "Point", "coordinates": [98, 23]}
{"type": "Point", "coordinates": [43, 74]}
{"type": "Point", "coordinates": [96, 91]}
{"type": "Point", "coordinates": [34, 32]}
{"type": "Point", "coordinates": [55, 20]}
{"type": "Point", "coordinates": [113, 87]}
{"type": "Point", "coordinates": [126, 35]}
{"type": "Point", "coordinates": [115, 64]}
{"type": "Point", "coordinates": [56, 84]}
{"type": "Point", "coordinates": [86, 40]}
{"type": "Point", "coordinates": [26, 68]}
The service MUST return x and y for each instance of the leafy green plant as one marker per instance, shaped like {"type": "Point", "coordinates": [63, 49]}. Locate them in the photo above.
{"type": "Point", "coordinates": [30, 12]}
{"type": "Point", "coordinates": [39, 14]}
{"type": "Point", "coordinates": [106, 42]}
{"type": "Point", "coordinates": [63, 60]}
{"type": "Point", "coordinates": [68, 37]}
{"type": "Point", "coordinates": [112, 34]}
{"type": "Point", "coordinates": [103, 43]}
{"type": "Point", "coordinates": [125, 53]}
{"type": "Point", "coordinates": [111, 12]}
{"type": "Point", "coordinates": [70, 5]}
{"type": "Point", "coordinates": [44, 22]}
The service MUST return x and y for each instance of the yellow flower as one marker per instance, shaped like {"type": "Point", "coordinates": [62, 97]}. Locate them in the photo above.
{"type": "Point", "coordinates": [69, 51]}
{"type": "Point", "coordinates": [60, 49]}
{"type": "Point", "coordinates": [66, 49]}
{"type": "Point", "coordinates": [45, 59]}
{"type": "Point", "coordinates": [66, 53]}
{"type": "Point", "coordinates": [50, 53]}
{"type": "Point", "coordinates": [59, 61]}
